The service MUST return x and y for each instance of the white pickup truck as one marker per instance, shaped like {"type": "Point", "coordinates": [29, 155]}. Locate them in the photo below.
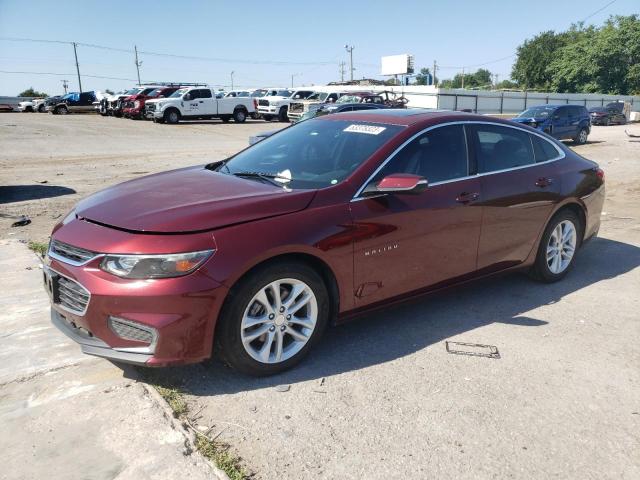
{"type": "Point", "coordinates": [277, 105]}
{"type": "Point", "coordinates": [199, 102]}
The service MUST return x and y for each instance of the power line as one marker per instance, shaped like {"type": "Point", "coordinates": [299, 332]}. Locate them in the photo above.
{"type": "Point", "coordinates": [597, 11]}
{"type": "Point", "coordinates": [65, 74]}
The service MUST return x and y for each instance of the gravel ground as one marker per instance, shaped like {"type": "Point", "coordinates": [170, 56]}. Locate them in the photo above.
{"type": "Point", "coordinates": [381, 397]}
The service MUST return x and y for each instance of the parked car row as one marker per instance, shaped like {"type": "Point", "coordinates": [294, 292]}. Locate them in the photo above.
{"type": "Point", "coordinates": [571, 122]}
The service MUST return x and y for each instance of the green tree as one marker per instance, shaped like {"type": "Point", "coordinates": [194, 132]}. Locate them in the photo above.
{"type": "Point", "coordinates": [30, 92]}
{"type": "Point", "coordinates": [423, 77]}
{"type": "Point", "coordinates": [533, 57]}
{"type": "Point", "coordinates": [507, 85]}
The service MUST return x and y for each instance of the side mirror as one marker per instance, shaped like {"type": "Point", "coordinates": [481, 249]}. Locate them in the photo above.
{"type": "Point", "coordinates": [398, 183]}
{"type": "Point", "coordinates": [186, 97]}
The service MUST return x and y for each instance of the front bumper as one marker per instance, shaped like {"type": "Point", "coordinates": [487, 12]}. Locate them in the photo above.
{"type": "Point", "coordinates": [181, 311]}
{"type": "Point", "coordinates": [268, 110]}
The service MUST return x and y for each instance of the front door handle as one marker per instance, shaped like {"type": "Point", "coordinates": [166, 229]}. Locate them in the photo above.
{"type": "Point", "coordinates": [543, 182]}
{"type": "Point", "coordinates": [466, 197]}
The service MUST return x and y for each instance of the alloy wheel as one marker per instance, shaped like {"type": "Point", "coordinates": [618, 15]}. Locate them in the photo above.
{"type": "Point", "coordinates": [279, 320]}
{"type": "Point", "coordinates": [583, 136]}
{"type": "Point", "coordinates": [561, 247]}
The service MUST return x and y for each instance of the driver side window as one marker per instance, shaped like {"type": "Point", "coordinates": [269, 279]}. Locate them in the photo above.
{"type": "Point", "coordinates": [437, 155]}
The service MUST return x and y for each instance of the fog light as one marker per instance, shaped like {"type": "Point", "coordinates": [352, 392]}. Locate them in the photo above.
{"type": "Point", "coordinates": [137, 332]}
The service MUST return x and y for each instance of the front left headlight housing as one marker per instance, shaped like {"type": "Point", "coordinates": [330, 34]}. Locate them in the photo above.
{"type": "Point", "coordinates": [154, 266]}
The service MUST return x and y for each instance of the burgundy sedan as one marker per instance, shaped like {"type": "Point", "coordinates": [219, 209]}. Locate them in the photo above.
{"type": "Point", "coordinates": [255, 255]}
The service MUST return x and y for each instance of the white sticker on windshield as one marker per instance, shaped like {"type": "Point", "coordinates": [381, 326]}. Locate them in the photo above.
{"type": "Point", "coordinates": [368, 129]}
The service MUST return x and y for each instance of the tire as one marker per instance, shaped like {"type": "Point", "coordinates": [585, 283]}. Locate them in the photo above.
{"type": "Point", "coordinates": [41, 108]}
{"type": "Point", "coordinates": [225, 118]}
{"type": "Point", "coordinates": [581, 138]}
{"type": "Point", "coordinates": [62, 110]}
{"type": "Point", "coordinates": [231, 336]}
{"type": "Point", "coordinates": [282, 115]}
{"type": "Point", "coordinates": [267, 118]}
{"type": "Point", "coordinates": [239, 115]}
{"type": "Point", "coordinates": [607, 122]}
{"type": "Point", "coordinates": [171, 116]}
{"type": "Point", "coordinates": [255, 115]}
{"type": "Point", "coordinates": [29, 109]}
{"type": "Point", "coordinates": [550, 267]}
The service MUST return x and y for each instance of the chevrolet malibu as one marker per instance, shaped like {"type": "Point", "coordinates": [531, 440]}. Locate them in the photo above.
{"type": "Point", "coordinates": [253, 256]}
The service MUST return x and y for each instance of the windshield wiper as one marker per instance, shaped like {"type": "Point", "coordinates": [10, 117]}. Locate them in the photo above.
{"type": "Point", "coordinates": [268, 177]}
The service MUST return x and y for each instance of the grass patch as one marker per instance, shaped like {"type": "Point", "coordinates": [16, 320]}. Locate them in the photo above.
{"type": "Point", "coordinates": [175, 400]}
{"type": "Point", "coordinates": [39, 247]}
{"type": "Point", "coordinates": [216, 452]}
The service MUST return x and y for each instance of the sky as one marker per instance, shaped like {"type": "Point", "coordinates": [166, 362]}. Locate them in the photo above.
{"type": "Point", "coordinates": [268, 43]}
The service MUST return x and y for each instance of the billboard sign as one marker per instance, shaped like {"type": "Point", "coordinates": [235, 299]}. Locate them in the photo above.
{"type": "Point", "coordinates": [397, 64]}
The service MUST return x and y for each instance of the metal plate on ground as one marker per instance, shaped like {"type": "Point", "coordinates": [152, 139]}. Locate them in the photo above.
{"type": "Point", "coordinates": [472, 349]}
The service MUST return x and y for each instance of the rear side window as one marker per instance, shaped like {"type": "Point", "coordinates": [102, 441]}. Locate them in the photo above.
{"type": "Point", "coordinates": [543, 149]}
{"type": "Point", "coordinates": [562, 112]}
{"type": "Point", "coordinates": [205, 93]}
{"type": "Point", "coordinates": [437, 155]}
{"type": "Point", "coordinates": [501, 148]}
{"type": "Point", "coordinates": [194, 94]}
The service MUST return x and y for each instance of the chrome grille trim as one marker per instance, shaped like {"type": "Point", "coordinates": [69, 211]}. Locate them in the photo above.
{"type": "Point", "coordinates": [263, 103]}
{"type": "Point", "coordinates": [69, 254]}
{"type": "Point", "coordinates": [130, 330]}
{"type": "Point", "coordinates": [73, 297]}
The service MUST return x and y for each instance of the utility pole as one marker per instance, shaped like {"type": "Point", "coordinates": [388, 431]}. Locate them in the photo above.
{"type": "Point", "coordinates": [342, 66]}
{"type": "Point", "coordinates": [435, 67]}
{"type": "Point", "coordinates": [135, 47]}
{"type": "Point", "coordinates": [462, 77]}
{"type": "Point", "coordinates": [65, 85]}
{"type": "Point", "coordinates": [496, 84]}
{"type": "Point", "coordinates": [232, 72]}
{"type": "Point", "coordinates": [75, 52]}
{"type": "Point", "coordinates": [292, 77]}
{"type": "Point", "coordinates": [350, 50]}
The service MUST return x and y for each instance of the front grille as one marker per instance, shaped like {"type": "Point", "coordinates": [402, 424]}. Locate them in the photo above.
{"type": "Point", "coordinates": [296, 107]}
{"type": "Point", "coordinates": [131, 330]}
{"type": "Point", "coordinates": [71, 295]}
{"type": "Point", "coordinates": [150, 107]}
{"type": "Point", "coordinates": [69, 253]}
{"type": "Point", "coordinates": [263, 103]}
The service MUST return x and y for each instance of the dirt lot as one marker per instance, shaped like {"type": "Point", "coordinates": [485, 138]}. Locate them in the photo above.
{"type": "Point", "coordinates": [381, 397]}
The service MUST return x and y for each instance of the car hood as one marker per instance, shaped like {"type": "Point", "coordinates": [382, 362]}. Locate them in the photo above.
{"type": "Point", "coordinates": [188, 200]}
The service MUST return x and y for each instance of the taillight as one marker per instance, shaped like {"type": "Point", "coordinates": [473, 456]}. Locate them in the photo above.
{"type": "Point", "coordinates": [600, 173]}
{"type": "Point", "coordinates": [255, 103]}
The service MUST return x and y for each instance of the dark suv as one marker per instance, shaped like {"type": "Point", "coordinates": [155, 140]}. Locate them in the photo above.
{"type": "Point", "coordinates": [564, 122]}
{"type": "Point", "coordinates": [611, 113]}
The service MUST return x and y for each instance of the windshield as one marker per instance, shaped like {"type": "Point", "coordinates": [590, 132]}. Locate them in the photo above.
{"type": "Point", "coordinates": [349, 99]}
{"type": "Point", "coordinates": [284, 93]}
{"type": "Point", "coordinates": [259, 93]}
{"type": "Point", "coordinates": [133, 91]}
{"type": "Point", "coordinates": [597, 110]}
{"type": "Point", "coordinates": [537, 112]}
{"type": "Point", "coordinates": [314, 153]}
{"type": "Point", "coordinates": [178, 93]}
{"type": "Point", "coordinates": [322, 96]}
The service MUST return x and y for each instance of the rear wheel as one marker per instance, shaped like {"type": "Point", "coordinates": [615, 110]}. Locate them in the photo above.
{"type": "Point", "coordinates": [581, 138]}
{"type": "Point", "coordinates": [271, 321]}
{"type": "Point", "coordinates": [239, 115]}
{"type": "Point", "coordinates": [558, 246]}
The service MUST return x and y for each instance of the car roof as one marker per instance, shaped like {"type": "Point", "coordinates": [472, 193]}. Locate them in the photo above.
{"type": "Point", "coordinates": [398, 116]}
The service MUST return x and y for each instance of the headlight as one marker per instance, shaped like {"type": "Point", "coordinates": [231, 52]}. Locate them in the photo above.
{"type": "Point", "coordinates": [136, 104]}
{"type": "Point", "coordinates": [154, 266]}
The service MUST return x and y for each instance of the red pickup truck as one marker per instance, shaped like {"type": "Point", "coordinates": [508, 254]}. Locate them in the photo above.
{"type": "Point", "coordinates": [134, 104]}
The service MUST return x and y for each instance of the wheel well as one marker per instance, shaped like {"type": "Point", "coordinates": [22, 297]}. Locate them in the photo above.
{"type": "Point", "coordinates": [579, 212]}
{"type": "Point", "coordinates": [173, 109]}
{"type": "Point", "coordinates": [240, 107]}
{"type": "Point", "coordinates": [318, 265]}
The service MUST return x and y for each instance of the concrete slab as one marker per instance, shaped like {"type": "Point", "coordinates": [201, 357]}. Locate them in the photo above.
{"type": "Point", "coordinates": [64, 415]}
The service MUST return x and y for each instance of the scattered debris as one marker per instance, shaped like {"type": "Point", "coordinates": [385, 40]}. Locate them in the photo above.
{"type": "Point", "coordinates": [472, 349]}
{"type": "Point", "coordinates": [24, 220]}
{"type": "Point", "coordinates": [322, 381]}
{"type": "Point", "coordinates": [42, 181]}
{"type": "Point", "coordinates": [253, 409]}
{"type": "Point", "coordinates": [631, 134]}
{"type": "Point", "coordinates": [283, 388]}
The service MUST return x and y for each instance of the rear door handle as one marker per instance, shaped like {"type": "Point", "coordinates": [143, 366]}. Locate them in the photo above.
{"type": "Point", "coordinates": [466, 197]}
{"type": "Point", "coordinates": [543, 182]}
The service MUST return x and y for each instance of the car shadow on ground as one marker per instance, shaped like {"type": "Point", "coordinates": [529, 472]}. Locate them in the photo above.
{"type": "Point", "coordinates": [398, 331]}
{"type": "Point", "coordinates": [248, 121]}
{"type": "Point", "coordinates": [20, 193]}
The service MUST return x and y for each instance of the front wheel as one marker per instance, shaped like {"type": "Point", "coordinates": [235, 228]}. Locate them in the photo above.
{"type": "Point", "coordinates": [283, 115]}
{"type": "Point", "coordinates": [62, 110]}
{"type": "Point", "coordinates": [557, 248]}
{"type": "Point", "coordinates": [171, 116]}
{"type": "Point", "coordinates": [267, 118]}
{"type": "Point", "coordinates": [273, 319]}
{"type": "Point", "coordinates": [581, 138]}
